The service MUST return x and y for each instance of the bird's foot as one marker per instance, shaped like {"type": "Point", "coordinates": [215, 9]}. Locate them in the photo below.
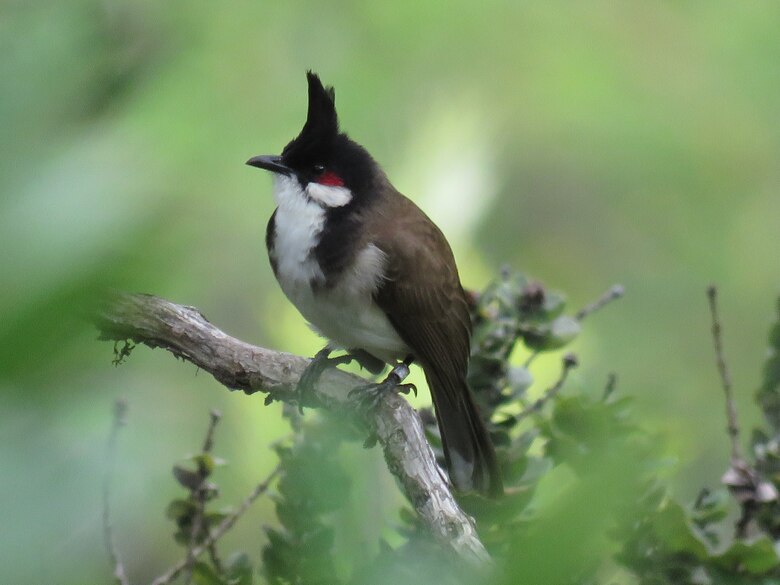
{"type": "Point", "coordinates": [311, 375]}
{"type": "Point", "coordinates": [371, 395]}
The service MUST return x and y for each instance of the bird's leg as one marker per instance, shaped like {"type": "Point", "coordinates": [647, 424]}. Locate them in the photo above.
{"type": "Point", "coordinates": [367, 361]}
{"type": "Point", "coordinates": [311, 375]}
{"type": "Point", "coordinates": [370, 395]}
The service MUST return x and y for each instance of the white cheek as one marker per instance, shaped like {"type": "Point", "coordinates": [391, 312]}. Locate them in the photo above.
{"type": "Point", "coordinates": [329, 195]}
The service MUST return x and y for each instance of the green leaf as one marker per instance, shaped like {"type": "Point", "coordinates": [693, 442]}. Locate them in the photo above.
{"type": "Point", "coordinates": [203, 574]}
{"type": "Point", "coordinates": [319, 541]}
{"type": "Point", "coordinates": [189, 479]}
{"type": "Point", "coordinates": [563, 330]}
{"type": "Point", "coordinates": [280, 557]}
{"type": "Point", "coordinates": [522, 443]}
{"type": "Point", "coordinates": [712, 507]}
{"type": "Point", "coordinates": [277, 538]}
{"type": "Point", "coordinates": [536, 469]}
{"type": "Point", "coordinates": [179, 510]}
{"type": "Point", "coordinates": [774, 337]}
{"type": "Point", "coordinates": [182, 537]}
{"type": "Point", "coordinates": [205, 463]}
{"type": "Point", "coordinates": [673, 529]}
{"type": "Point", "coordinates": [536, 338]}
{"type": "Point", "coordinates": [756, 557]}
{"type": "Point", "coordinates": [772, 373]}
{"type": "Point", "coordinates": [553, 305]}
{"type": "Point", "coordinates": [210, 490]}
{"type": "Point", "coordinates": [516, 461]}
{"type": "Point", "coordinates": [238, 569]}
{"type": "Point", "coordinates": [211, 519]}
{"type": "Point", "coordinates": [553, 336]}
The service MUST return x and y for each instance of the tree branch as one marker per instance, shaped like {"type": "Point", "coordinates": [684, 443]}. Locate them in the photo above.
{"type": "Point", "coordinates": [186, 333]}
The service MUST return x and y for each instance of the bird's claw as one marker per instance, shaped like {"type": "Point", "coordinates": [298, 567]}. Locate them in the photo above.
{"type": "Point", "coordinates": [311, 375]}
{"type": "Point", "coordinates": [371, 395]}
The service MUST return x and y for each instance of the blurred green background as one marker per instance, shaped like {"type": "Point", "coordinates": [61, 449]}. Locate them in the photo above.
{"type": "Point", "coordinates": [585, 144]}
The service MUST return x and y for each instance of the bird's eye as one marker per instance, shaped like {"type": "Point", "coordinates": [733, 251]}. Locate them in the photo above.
{"type": "Point", "coordinates": [318, 169]}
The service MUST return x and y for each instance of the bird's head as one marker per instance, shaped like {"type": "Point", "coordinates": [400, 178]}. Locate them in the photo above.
{"type": "Point", "coordinates": [321, 163]}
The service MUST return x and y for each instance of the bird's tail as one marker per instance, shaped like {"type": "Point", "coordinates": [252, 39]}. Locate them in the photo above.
{"type": "Point", "coordinates": [468, 451]}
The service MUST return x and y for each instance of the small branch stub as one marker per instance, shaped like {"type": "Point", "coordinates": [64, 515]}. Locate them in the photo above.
{"type": "Point", "coordinates": [614, 293]}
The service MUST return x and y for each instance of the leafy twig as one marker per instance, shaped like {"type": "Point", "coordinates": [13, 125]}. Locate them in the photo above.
{"type": "Point", "coordinates": [219, 531]}
{"type": "Point", "coordinates": [120, 409]}
{"type": "Point", "coordinates": [569, 362]}
{"type": "Point", "coordinates": [199, 493]}
{"type": "Point", "coordinates": [743, 480]}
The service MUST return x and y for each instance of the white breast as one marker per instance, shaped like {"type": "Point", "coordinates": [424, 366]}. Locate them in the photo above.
{"type": "Point", "coordinates": [345, 313]}
{"type": "Point", "coordinates": [299, 222]}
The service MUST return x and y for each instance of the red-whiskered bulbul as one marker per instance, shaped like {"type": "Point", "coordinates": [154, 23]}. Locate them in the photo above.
{"type": "Point", "coordinates": [371, 272]}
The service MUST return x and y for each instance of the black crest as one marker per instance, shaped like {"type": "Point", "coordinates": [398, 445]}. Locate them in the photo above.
{"type": "Point", "coordinates": [321, 117]}
{"type": "Point", "coordinates": [322, 124]}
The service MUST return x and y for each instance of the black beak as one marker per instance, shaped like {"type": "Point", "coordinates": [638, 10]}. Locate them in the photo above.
{"type": "Point", "coordinates": [269, 163]}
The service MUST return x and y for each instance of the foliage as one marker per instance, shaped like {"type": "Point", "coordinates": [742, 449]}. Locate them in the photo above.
{"type": "Point", "coordinates": [313, 484]}
{"type": "Point", "coordinates": [667, 543]}
{"type": "Point", "coordinates": [195, 522]}
{"type": "Point", "coordinates": [580, 475]}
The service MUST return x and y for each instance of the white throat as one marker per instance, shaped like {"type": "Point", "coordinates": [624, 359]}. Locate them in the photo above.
{"type": "Point", "coordinates": [300, 219]}
{"type": "Point", "coordinates": [299, 223]}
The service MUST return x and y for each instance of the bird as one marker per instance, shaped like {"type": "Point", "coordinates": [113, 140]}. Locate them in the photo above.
{"type": "Point", "coordinates": [373, 274]}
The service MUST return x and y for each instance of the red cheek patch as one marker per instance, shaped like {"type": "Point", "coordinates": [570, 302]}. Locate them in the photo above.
{"type": "Point", "coordinates": [330, 179]}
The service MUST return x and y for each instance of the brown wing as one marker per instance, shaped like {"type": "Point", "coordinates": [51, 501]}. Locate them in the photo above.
{"type": "Point", "coordinates": [423, 298]}
{"type": "Point", "coordinates": [422, 294]}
